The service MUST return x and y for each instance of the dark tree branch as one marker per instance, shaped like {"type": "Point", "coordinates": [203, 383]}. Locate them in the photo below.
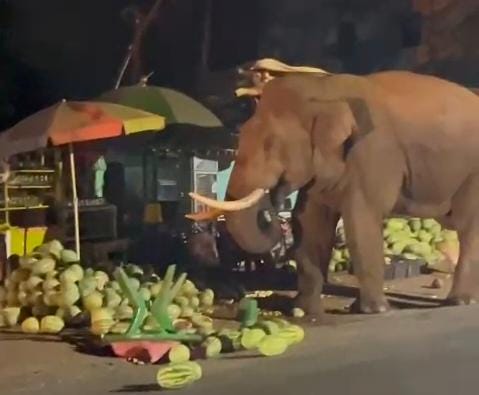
{"type": "Point", "coordinates": [203, 68]}
{"type": "Point", "coordinates": [124, 66]}
{"type": "Point", "coordinates": [133, 55]}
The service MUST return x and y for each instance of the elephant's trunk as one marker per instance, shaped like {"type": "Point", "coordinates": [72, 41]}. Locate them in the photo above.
{"type": "Point", "coordinates": [256, 229]}
{"type": "Point", "coordinates": [250, 219]}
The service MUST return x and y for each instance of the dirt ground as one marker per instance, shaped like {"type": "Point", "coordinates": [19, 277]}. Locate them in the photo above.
{"type": "Point", "coordinates": [50, 366]}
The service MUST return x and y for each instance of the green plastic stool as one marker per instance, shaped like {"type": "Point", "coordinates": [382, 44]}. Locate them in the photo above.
{"type": "Point", "coordinates": [164, 327]}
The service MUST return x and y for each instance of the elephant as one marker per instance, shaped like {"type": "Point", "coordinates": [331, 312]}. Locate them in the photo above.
{"type": "Point", "coordinates": [390, 143]}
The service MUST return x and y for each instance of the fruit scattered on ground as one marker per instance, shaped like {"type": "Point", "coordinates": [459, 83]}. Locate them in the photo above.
{"type": "Point", "coordinates": [178, 375]}
{"type": "Point", "coordinates": [272, 345]}
{"type": "Point", "coordinates": [298, 312]}
{"type": "Point", "coordinates": [212, 346]}
{"type": "Point", "coordinates": [270, 327]}
{"type": "Point", "coordinates": [252, 337]}
{"type": "Point", "coordinates": [179, 353]}
{"type": "Point", "coordinates": [292, 334]}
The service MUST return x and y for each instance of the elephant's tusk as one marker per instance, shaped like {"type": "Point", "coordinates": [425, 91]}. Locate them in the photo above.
{"type": "Point", "coordinates": [248, 92]}
{"type": "Point", "coordinates": [274, 65]}
{"type": "Point", "coordinates": [232, 205]}
{"type": "Point", "coordinates": [208, 215]}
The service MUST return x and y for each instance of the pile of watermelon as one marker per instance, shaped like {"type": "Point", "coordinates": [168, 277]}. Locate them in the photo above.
{"type": "Point", "coordinates": [408, 238]}
{"type": "Point", "coordinates": [50, 290]}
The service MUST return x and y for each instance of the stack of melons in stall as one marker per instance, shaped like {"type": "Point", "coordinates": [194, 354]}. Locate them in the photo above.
{"type": "Point", "coordinates": [50, 289]}
{"type": "Point", "coordinates": [412, 239]}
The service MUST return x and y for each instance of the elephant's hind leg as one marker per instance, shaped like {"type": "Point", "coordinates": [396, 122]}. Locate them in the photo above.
{"type": "Point", "coordinates": [314, 232]}
{"type": "Point", "coordinates": [465, 217]}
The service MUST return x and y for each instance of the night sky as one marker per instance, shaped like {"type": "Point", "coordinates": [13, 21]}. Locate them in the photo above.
{"type": "Point", "coordinates": [73, 49]}
{"type": "Point", "coordinates": [54, 49]}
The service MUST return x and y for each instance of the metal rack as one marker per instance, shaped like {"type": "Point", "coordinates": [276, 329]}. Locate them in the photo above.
{"type": "Point", "coordinates": [8, 185]}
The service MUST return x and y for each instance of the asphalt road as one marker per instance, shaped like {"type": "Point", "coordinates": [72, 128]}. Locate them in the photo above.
{"type": "Point", "coordinates": [407, 352]}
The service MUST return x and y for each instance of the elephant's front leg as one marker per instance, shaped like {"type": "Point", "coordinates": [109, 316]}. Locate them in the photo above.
{"type": "Point", "coordinates": [363, 227]}
{"type": "Point", "coordinates": [314, 233]}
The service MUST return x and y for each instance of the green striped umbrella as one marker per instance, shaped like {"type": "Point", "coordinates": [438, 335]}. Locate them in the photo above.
{"type": "Point", "coordinates": [175, 106]}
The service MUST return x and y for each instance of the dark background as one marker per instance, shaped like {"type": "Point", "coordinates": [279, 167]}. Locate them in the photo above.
{"type": "Point", "coordinates": [53, 49]}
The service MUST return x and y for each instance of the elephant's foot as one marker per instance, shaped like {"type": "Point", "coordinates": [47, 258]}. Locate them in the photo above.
{"type": "Point", "coordinates": [463, 292]}
{"type": "Point", "coordinates": [369, 305]}
{"type": "Point", "coordinates": [459, 299]}
{"type": "Point", "coordinates": [311, 306]}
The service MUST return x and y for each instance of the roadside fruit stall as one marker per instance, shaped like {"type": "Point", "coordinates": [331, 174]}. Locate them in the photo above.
{"type": "Point", "coordinates": [134, 314]}
{"type": "Point", "coordinates": [62, 124]}
{"type": "Point", "coordinates": [138, 316]}
{"type": "Point", "coordinates": [27, 189]}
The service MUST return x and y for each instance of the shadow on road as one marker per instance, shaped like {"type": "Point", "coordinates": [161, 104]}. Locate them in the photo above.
{"type": "Point", "coordinates": [137, 388]}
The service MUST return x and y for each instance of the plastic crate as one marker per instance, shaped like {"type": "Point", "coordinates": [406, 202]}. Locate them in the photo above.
{"type": "Point", "coordinates": [400, 268]}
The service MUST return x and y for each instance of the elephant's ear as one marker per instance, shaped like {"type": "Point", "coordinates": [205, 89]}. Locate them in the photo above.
{"type": "Point", "coordinates": [336, 125]}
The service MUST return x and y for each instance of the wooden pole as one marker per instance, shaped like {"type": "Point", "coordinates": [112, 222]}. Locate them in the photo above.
{"type": "Point", "coordinates": [75, 199]}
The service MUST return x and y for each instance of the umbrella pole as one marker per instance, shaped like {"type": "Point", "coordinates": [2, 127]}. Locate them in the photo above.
{"type": "Point", "coordinates": [75, 199]}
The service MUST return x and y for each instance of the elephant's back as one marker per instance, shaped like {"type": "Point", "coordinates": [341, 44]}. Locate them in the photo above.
{"type": "Point", "coordinates": [428, 104]}
{"type": "Point", "coordinates": [437, 121]}
{"type": "Point", "coordinates": [424, 94]}
{"type": "Point", "coordinates": [414, 102]}
{"type": "Point", "coordinates": [406, 83]}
